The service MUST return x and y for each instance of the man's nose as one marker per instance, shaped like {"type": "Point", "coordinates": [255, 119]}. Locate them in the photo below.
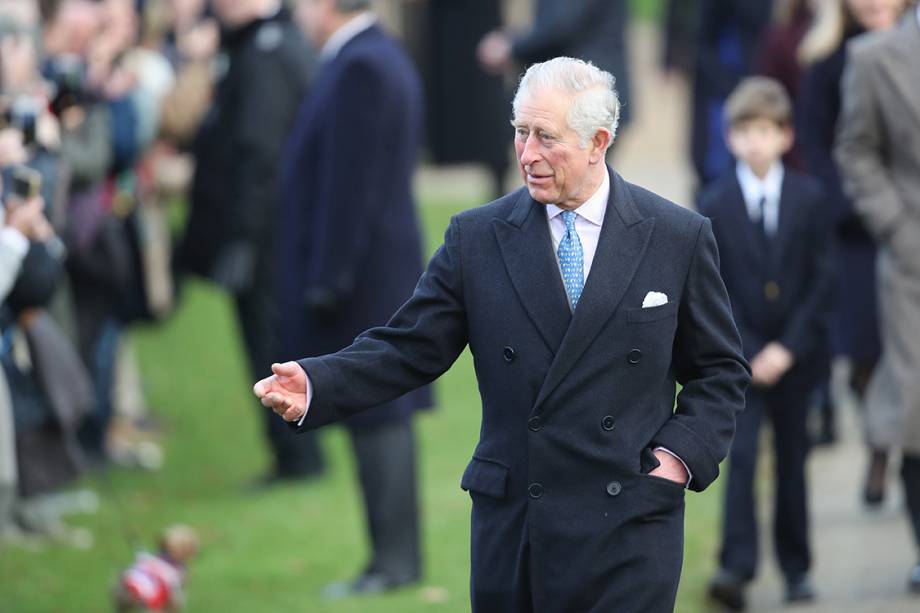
{"type": "Point", "coordinates": [530, 153]}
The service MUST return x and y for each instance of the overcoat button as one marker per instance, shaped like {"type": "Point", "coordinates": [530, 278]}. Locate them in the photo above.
{"type": "Point", "coordinates": [614, 488]}
{"type": "Point", "coordinates": [509, 353]}
{"type": "Point", "coordinates": [771, 291]}
{"type": "Point", "coordinates": [535, 424]}
{"type": "Point", "coordinates": [634, 357]}
{"type": "Point", "coordinates": [535, 490]}
{"type": "Point", "coordinates": [608, 423]}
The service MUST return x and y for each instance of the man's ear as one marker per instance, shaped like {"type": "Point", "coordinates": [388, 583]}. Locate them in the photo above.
{"type": "Point", "coordinates": [600, 143]}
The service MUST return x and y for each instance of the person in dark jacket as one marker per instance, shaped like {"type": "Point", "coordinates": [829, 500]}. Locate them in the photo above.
{"type": "Point", "coordinates": [591, 30]}
{"type": "Point", "coordinates": [774, 247]}
{"type": "Point", "coordinates": [350, 251]}
{"type": "Point", "coordinates": [779, 59]}
{"type": "Point", "coordinates": [729, 38]}
{"type": "Point", "coordinates": [457, 87]}
{"type": "Point", "coordinates": [266, 66]}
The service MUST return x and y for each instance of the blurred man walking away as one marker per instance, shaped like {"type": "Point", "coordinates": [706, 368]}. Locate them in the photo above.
{"type": "Point", "coordinates": [264, 67]}
{"type": "Point", "coordinates": [350, 251]}
{"type": "Point", "coordinates": [879, 158]}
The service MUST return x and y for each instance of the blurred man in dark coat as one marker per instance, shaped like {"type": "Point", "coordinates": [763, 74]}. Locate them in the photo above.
{"type": "Point", "coordinates": [458, 87]}
{"type": "Point", "coordinates": [729, 38]}
{"type": "Point", "coordinates": [591, 30]}
{"type": "Point", "coordinates": [350, 251]}
{"type": "Point", "coordinates": [264, 65]}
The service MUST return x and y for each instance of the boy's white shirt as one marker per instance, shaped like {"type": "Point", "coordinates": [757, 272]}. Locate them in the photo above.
{"type": "Point", "coordinates": [753, 188]}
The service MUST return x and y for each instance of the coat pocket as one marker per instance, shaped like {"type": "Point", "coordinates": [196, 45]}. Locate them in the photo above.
{"type": "Point", "coordinates": [642, 316]}
{"type": "Point", "coordinates": [485, 477]}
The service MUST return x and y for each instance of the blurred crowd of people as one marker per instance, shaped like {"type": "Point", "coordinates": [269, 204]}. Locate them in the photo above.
{"type": "Point", "coordinates": [97, 101]}
{"type": "Point", "coordinates": [112, 109]}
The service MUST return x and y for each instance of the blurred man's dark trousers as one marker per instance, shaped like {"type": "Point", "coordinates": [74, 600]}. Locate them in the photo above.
{"type": "Point", "coordinates": [788, 411]}
{"type": "Point", "coordinates": [295, 455]}
{"type": "Point", "coordinates": [385, 456]}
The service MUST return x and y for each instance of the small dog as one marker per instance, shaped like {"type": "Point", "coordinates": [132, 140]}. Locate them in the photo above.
{"type": "Point", "coordinates": [155, 582]}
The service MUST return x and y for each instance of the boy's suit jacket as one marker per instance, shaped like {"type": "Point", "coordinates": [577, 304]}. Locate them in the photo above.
{"type": "Point", "coordinates": [783, 293]}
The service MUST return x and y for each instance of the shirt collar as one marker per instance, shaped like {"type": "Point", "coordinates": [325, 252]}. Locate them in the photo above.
{"type": "Point", "coordinates": [594, 208]}
{"type": "Point", "coordinates": [349, 30]}
{"type": "Point", "coordinates": [754, 188]}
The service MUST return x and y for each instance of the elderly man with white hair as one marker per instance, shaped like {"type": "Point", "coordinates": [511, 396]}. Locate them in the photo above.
{"type": "Point", "coordinates": [584, 300]}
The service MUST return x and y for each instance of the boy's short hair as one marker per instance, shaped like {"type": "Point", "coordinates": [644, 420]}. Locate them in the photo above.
{"type": "Point", "coordinates": [759, 98]}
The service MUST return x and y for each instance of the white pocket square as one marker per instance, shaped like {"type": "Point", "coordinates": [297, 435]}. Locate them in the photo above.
{"type": "Point", "coordinates": [653, 299]}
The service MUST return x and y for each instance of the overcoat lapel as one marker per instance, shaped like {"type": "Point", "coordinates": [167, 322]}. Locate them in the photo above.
{"type": "Point", "coordinates": [622, 244]}
{"type": "Point", "coordinates": [736, 208]}
{"type": "Point", "coordinates": [527, 250]}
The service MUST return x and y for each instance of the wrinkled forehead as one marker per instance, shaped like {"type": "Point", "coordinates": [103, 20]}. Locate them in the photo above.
{"type": "Point", "coordinates": [542, 105]}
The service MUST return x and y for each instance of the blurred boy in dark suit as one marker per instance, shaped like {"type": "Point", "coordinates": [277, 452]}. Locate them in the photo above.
{"type": "Point", "coordinates": [773, 239]}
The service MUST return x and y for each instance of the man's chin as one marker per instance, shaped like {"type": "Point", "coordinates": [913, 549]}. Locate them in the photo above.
{"type": "Point", "coordinates": [541, 195]}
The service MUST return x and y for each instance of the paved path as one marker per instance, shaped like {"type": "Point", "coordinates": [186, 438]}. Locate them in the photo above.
{"type": "Point", "coordinates": [861, 557]}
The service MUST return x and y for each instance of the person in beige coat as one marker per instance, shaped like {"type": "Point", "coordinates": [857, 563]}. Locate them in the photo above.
{"type": "Point", "coordinates": [878, 149]}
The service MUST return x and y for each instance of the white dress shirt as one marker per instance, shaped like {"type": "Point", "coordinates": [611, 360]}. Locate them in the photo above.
{"type": "Point", "coordinates": [754, 189]}
{"type": "Point", "coordinates": [345, 33]}
{"type": "Point", "coordinates": [589, 218]}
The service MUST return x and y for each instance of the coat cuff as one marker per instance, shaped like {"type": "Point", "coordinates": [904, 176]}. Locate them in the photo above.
{"type": "Point", "coordinates": [321, 388]}
{"type": "Point", "coordinates": [682, 443]}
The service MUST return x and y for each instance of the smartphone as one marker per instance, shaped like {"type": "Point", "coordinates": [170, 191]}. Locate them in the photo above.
{"type": "Point", "coordinates": [26, 183]}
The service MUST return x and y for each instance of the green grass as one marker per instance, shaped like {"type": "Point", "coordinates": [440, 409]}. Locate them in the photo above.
{"type": "Point", "coordinates": [647, 9]}
{"type": "Point", "coordinates": [275, 551]}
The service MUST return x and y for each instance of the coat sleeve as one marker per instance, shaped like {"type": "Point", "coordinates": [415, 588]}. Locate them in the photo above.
{"type": "Point", "coordinates": [860, 148]}
{"type": "Point", "coordinates": [419, 343]}
{"type": "Point", "coordinates": [710, 367]}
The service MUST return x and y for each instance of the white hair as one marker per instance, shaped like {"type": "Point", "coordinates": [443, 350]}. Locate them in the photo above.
{"type": "Point", "coordinates": [595, 103]}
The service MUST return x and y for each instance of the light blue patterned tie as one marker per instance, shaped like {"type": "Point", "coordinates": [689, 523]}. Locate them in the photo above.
{"type": "Point", "coordinates": [571, 259]}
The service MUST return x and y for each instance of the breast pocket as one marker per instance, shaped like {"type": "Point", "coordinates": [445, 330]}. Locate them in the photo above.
{"type": "Point", "coordinates": [651, 314]}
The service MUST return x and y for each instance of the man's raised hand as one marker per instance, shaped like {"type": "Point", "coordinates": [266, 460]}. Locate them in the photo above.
{"type": "Point", "coordinates": [285, 392]}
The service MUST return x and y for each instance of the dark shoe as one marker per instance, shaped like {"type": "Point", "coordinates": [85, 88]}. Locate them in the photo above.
{"type": "Point", "coordinates": [727, 589]}
{"type": "Point", "coordinates": [367, 584]}
{"type": "Point", "coordinates": [799, 591]}
{"type": "Point", "coordinates": [874, 491]}
{"type": "Point", "coordinates": [913, 583]}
